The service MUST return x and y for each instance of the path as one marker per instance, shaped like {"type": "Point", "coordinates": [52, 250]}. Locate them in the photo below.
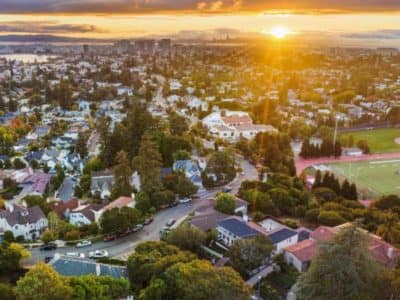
{"type": "Point", "coordinates": [302, 164]}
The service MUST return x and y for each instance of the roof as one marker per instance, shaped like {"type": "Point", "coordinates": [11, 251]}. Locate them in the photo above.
{"type": "Point", "coordinates": [77, 267]}
{"type": "Point", "coordinates": [303, 251]}
{"type": "Point", "coordinates": [238, 227]}
{"type": "Point", "coordinates": [281, 235]}
{"type": "Point", "coordinates": [119, 203]}
{"type": "Point", "coordinates": [237, 119]}
{"type": "Point", "coordinates": [39, 181]}
{"type": "Point", "coordinates": [323, 233]}
{"type": "Point", "coordinates": [208, 221]}
{"type": "Point", "coordinates": [21, 215]}
{"type": "Point", "coordinates": [87, 210]}
{"type": "Point", "coordinates": [60, 207]}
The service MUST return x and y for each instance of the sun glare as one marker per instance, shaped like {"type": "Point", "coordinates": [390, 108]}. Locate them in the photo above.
{"type": "Point", "coordinates": [279, 32]}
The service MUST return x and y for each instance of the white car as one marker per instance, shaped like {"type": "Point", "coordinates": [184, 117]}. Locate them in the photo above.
{"type": "Point", "coordinates": [98, 254]}
{"type": "Point", "coordinates": [185, 200]}
{"type": "Point", "coordinates": [75, 254]}
{"type": "Point", "coordinates": [83, 244]}
{"type": "Point", "coordinates": [171, 222]}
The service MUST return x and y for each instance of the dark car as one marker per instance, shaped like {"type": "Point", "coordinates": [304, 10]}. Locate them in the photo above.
{"type": "Point", "coordinates": [47, 259]}
{"type": "Point", "coordinates": [109, 238]}
{"type": "Point", "coordinates": [148, 220]}
{"type": "Point", "coordinates": [48, 247]}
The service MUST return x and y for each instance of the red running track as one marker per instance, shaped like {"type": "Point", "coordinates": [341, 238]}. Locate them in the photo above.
{"type": "Point", "coordinates": [302, 164]}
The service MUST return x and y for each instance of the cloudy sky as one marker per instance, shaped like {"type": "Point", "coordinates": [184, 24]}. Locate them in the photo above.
{"type": "Point", "coordinates": [348, 21]}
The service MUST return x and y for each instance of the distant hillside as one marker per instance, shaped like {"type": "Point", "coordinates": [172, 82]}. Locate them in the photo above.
{"type": "Point", "coordinates": [45, 38]}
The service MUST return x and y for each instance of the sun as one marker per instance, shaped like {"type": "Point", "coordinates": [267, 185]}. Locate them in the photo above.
{"type": "Point", "coordinates": [279, 32]}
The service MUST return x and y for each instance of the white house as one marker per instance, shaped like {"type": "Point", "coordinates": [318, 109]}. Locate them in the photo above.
{"type": "Point", "coordinates": [21, 221]}
{"type": "Point", "coordinates": [232, 125]}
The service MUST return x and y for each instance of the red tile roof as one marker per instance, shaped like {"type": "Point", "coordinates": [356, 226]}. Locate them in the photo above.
{"type": "Point", "coordinates": [323, 234]}
{"type": "Point", "coordinates": [304, 251]}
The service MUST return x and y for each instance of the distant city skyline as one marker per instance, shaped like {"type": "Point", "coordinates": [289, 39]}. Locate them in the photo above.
{"type": "Point", "coordinates": [372, 23]}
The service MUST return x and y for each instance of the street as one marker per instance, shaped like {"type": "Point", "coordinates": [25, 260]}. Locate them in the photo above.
{"type": "Point", "coordinates": [123, 247]}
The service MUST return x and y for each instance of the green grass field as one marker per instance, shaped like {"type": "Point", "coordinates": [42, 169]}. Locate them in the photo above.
{"type": "Point", "coordinates": [373, 178]}
{"type": "Point", "coordinates": [379, 140]}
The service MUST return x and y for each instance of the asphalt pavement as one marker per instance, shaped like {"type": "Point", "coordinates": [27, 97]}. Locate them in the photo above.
{"type": "Point", "coordinates": [123, 247]}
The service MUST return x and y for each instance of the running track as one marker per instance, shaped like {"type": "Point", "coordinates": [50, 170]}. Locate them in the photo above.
{"type": "Point", "coordinates": [302, 164]}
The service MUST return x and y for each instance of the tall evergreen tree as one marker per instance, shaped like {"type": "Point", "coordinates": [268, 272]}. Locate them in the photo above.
{"type": "Point", "coordinates": [342, 269]}
{"type": "Point", "coordinates": [318, 179]}
{"type": "Point", "coordinates": [353, 195]}
{"type": "Point", "coordinates": [148, 163]}
{"type": "Point", "coordinates": [122, 175]}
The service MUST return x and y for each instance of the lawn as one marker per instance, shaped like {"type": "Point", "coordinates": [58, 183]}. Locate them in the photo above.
{"type": "Point", "coordinates": [379, 140]}
{"type": "Point", "coordinates": [373, 178]}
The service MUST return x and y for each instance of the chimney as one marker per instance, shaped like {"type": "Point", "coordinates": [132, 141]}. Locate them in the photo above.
{"type": "Point", "coordinates": [390, 252]}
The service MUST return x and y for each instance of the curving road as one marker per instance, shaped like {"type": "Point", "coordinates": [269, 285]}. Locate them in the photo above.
{"type": "Point", "coordinates": [121, 248]}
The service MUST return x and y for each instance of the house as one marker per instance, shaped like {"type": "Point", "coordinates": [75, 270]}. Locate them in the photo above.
{"type": "Point", "coordinates": [234, 228]}
{"type": "Point", "coordinates": [21, 221]}
{"type": "Point", "coordinates": [124, 91]}
{"type": "Point", "coordinates": [233, 125]}
{"type": "Point", "coordinates": [300, 255]}
{"type": "Point", "coordinates": [191, 170]}
{"type": "Point", "coordinates": [36, 184]}
{"type": "Point", "coordinates": [68, 266]}
{"type": "Point", "coordinates": [63, 209]}
{"type": "Point", "coordinates": [89, 213]}
{"type": "Point", "coordinates": [84, 214]}
{"type": "Point", "coordinates": [101, 183]}
{"type": "Point", "coordinates": [207, 218]}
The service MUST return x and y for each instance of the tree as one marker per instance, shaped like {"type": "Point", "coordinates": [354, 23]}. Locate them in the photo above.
{"type": "Point", "coordinates": [98, 287]}
{"type": "Point", "coordinates": [339, 269]}
{"type": "Point", "coordinates": [151, 259]}
{"type": "Point", "coordinates": [18, 164]}
{"type": "Point", "coordinates": [36, 200]}
{"type": "Point", "coordinates": [6, 292]}
{"type": "Point", "coordinates": [122, 175]}
{"type": "Point", "coordinates": [181, 155]}
{"type": "Point", "coordinates": [197, 280]}
{"type": "Point", "coordinates": [48, 236]}
{"type": "Point", "coordinates": [221, 165]}
{"type": "Point", "coordinates": [187, 237]}
{"type": "Point", "coordinates": [248, 254]}
{"type": "Point", "coordinates": [10, 256]}
{"type": "Point", "coordinates": [177, 124]}
{"type": "Point", "coordinates": [120, 220]}
{"type": "Point", "coordinates": [143, 202]}
{"type": "Point", "coordinates": [390, 229]}
{"type": "Point", "coordinates": [148, 163]}
{"type": "Point", "coordinates": [42, 283]}
{"type": "Point", "coordinates": [226, 203]}
{"type": "Point", "coordinates": [81, 145]}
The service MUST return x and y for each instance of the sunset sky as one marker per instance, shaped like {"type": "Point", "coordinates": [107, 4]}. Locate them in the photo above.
{"type": "Point", "coordinates": [370, 22]}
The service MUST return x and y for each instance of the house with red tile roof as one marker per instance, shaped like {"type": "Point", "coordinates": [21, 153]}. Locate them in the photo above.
{"type": "Point", "coordinates": [301, 254]}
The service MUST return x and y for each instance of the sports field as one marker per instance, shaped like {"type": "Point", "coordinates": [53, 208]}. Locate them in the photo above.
{"type": "Point", "coordinates": [373, 178]}
{"type": "Point", "coordinates": [379, 140]}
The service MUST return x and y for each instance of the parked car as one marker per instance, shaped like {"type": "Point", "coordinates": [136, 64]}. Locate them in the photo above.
{"type": "Point", "coordinates": [47, 259]}
{"type": "Point", "coordinates": [48, 247]}
{"type": "Point", "coordinates": [83, 244]}
{"type": "Point", "coordinates": [171, 222]}
{"type": "Point", "coordinates": [227, 189]}
{"type": "Point", "coordinates": [148, 220]}
{"type": "Point", "coordinates": [185, 200]}
{"type": "Point", "coordinates": [75, 254]}
{"type": "Point", "coordinates": [138, 227]}
{"type": "Point", "coordinates": [110, 237]}
{"type": "Point", "coordinates": [98, 254]}
{"type": "Point", "coordinates": [173, 204]}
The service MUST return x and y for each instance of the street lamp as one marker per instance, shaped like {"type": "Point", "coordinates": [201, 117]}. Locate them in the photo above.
{"type": "Point", "coordinates": [337, 118]}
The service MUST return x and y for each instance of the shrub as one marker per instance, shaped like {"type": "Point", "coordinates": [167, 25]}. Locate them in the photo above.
{"type": "Point", "coordinates": [330, 218]}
